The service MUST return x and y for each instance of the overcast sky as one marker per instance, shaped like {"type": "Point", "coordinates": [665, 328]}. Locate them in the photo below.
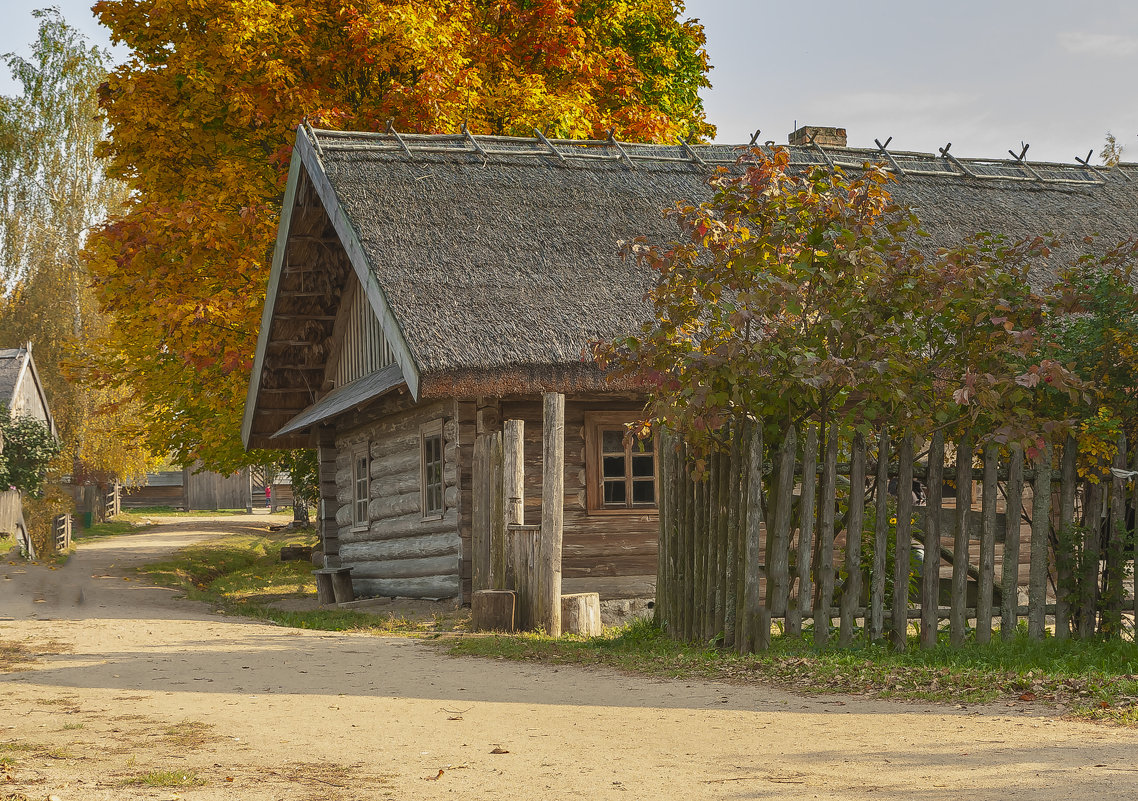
{"type": "Point", "coordinates": [983, 74]}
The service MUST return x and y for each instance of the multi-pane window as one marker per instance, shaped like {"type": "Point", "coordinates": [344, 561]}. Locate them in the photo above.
{"type": "Point", "coordinates": [360, 480]}
{"type": "Point", "coordinates": [432, 488]}
{"type": "Point", "coordinates": [621, 471]}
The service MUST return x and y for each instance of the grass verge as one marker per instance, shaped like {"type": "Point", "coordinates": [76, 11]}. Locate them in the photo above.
{"type": "Point", "coordinates": [243, 574]}
{"type": "Point", "coordinates": [1091, 679]}
{"type": "Point", "coordinates": [164, 778]}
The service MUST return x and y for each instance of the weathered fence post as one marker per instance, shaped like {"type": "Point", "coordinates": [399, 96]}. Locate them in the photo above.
{"type": "Point", "coordinates": [1065, 553]}
{"type": "Point", "coordinates": [904, 544]}
{"type": "Point", "coordinates": [778, 529]}
{"type": "Point", "coordinates": [806, 517]}
{"type": "Point", "coordinates": [734, 502]}
{"type": "Point", "coordinates": [930, 569]}
{"type": "Point", "coordinates": [1115, 558]}
{"type": "Point", "coordinates": [957, 619]}
{"type": "Point", "coordinates": [552, 511]}
{"type": "Point", "coordinates": [513, 502]}
{"type": "Point", "coordinates": [880, 538]}
{"type": "Point", "coordinates": [1040, 534]}
{"type": "Point", "coordinates": [824, 597]}
{"type": "Point", "coordinates": [1009, 596]}
{"type": "Point", "coordinates": [985, 584]}
{"type": "Point", "coordinates": [752, 606]}
{"type": "Point", "coordinates": [855, 515]}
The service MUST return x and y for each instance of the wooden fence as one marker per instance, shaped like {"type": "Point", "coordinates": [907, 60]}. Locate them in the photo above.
{"type": "Point", "coordinates": [61, 532]}
{"type": "Point", "coordinates": [819, 530]}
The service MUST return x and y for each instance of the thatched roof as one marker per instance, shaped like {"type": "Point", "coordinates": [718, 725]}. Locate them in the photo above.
{"type": "Point", "coordinates": [492, 262]}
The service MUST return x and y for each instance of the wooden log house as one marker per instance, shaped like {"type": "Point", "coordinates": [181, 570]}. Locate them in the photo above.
{"type": "Point", "coordinates": [426, 288]}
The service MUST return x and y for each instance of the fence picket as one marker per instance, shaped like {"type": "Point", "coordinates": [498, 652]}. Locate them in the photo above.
{"type": "Point", "coordinates": [731, 572]}
{"type": "Point", "coordinates": [1009, 608]}
{"type": "Point", "coordinates": [903, 545]}
{"type": "Point", "coordinates": [1134, 540]}
{"type": "Point", "coordinates": [930, 569]}
{"type": "Point", "coordinates": [719, 629]}
{"type": "Point", "coordinates": [1040, 535]}
{"type": "Point", "coordinates": [1112, 617]}
{"type": "Point", "coordinates": [958, 601]}
{"type": "Point", "coordinates": [824, 597]}
{"type": "Point", "coordinates": [754, 525]}
{"type": "Point", "coordinates": [985, 584]}
{"type": "Point", "coordinates": [880, 537]}
{"type": "Point", "coordinates": [1088, 581]}
{"type": "Point", "coordinates": [855, 516]}
{"type": "Point", "coordinates": [806, 517]}
{"type": "Point", "coordinates": [1065, 556]}
{"type": "Point", "coordinates": [778, 531]}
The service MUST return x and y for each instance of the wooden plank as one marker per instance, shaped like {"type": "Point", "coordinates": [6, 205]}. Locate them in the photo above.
{"type": "Point", "coordinates": [664, 479]}
{"type": "Point", "coordinates": [903, 545]}
{"type": "Point", "coordinates": [724, 487]}
{"type": "Point", "coordinates": [480, 517]}
{"type": "Point", "coordinates": [825, 596]}
{"type": "Point", "coordinates": [1009, 601]}
{"type": "Point", "coordinates": [683, 525]}
{"type": "Point", "coordinates": [855, 517]}
{"type": "Point", "coordinates": [985, 586]}
{"type": "Point", "coordinates": [958, 600]}
{"type": "Point", "coordinates": [1040, 534]}
{"type": "Point", "coordinates": [731, 574]}
{"type": "Point", "coordinates": [806, 518]}
{"type": "Point", "coordinates": [552, 511]}
{"type": "Point", "coordinates": [1134, 540]}
{"type": "Point", "coordinates": [742, 482]}
{"type": "Point", "coordinates": [1092, 549]}
{"type": "Point", "coordinates": [513, 496]}
{"type": "Point", "coordinates": [880, 535]}
{"type": "Point", "coordinates": [753, 638]}
{"type": "Point", "coordinates": [1065, 553]}
{"type": "Point", "coordinates": [778, 535]}
{"type": "Point", "coordinates": [930, 569]}
{"type": "Point", "coordinates": [711, 545]}
{"type": "Point", "coordinates": [699, 558]}
{"type": "Point", "coordinates": [1112, 616]}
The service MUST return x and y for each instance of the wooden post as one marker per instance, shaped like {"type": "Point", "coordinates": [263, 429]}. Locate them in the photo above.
{"type": "Point", "coordinates": [1065, 553]}
{"type": "Point", "coordinates": [731, 576]}
{"type": "Point", "coordinates": [855, 515]}
{"type": "Point", "coordinates": [493, 610]}
{"type": "Point", "coordinates": [663, 540]}
{"type": "Point", "coordinates": [958, 601]}
{"type": "Point", "coordinates": [513, 500]}
{"type": "Point", "coordinates": [1134, 538]}
{"type": "Point", "coordinates": [581, 614]}
{"type": "Point", "coordinates": [552, 511]}
{"type": "Point", "coordinates": [1040, 533]}
{"type": "Point", "coordinates": [1009, 612]}
{"type": "Point", "coordinates": [1115, 558]}
{"type": "Point", "coordinates": [752, 604]}
{"type": "Point", "coordinates": [985, 585]}
{"type": "Point", "coordinates": [778, 535]}
{"type": "Point", "coordinates": [329, 529]}
{"type": "Point", "coordinates": [806, 513]}
{"type": "Point", "coordinates": [880, 535]}
{"type": "Point", "coordinates": [724, 488]}
{"type": "Point", "coordinates": [742, 484]}
{"type": "Point", "coordinates": [824, 597]}
{"type": "Point", "coordinates": [480, 516]}
{"type": "Point", "coordinates": [1092, 542]}
{"type": "Point", "coordinates": [930, 569]}
{"type": "Point", "coordinates": [904, 544]}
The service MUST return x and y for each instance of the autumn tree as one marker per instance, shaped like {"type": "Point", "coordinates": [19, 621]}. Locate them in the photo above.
{"type": "Point", "coordinates": [52, 192]}
{"type": "Point", "coordinates": [203, 115]}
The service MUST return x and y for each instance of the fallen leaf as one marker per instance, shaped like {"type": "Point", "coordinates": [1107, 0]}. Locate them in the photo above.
{"type": "Point", "coordinates": [229, 778]}
{"type": "Point", "coordinates": [436, 777]}
{"type": "Point", "coordinates": [498, 750]}
{"type": "Point", "coordinates": [455, 717]}
{"type": "Point", "coordinates": [1028, 696]}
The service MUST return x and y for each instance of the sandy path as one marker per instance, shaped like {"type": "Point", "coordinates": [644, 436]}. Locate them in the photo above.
{"type": "Point", "coordinates": [259, 712]}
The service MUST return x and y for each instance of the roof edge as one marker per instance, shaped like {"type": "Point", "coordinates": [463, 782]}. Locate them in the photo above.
{"type": "Point", "coordinates": [528, 379]}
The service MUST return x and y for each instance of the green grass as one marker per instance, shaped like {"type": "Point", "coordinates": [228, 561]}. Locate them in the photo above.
{"type": "Point", "coordinates": [1092, 679]}
{"type": "Point", "coordinates": [170, 511]}
{"type": "Point", "coordinates": [7, 543]}
{"type": "Point", "coordinates": [125, 523]}
{"type": "Point", "coordinates": [164, 778]}
{"type": "Point", "coordinates": [243, 574]}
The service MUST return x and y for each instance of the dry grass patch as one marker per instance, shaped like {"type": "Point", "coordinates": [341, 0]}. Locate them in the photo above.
{"type": "Point", "coordinates": [164, 778]}
{"type": "Point", "coordinates": [19, 654]}
{"type": "Point", "coordinates": [188, 734]}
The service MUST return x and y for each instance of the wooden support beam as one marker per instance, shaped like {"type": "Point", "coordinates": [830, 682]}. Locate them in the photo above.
{"type": "Point", "coordinates": [552, 510]}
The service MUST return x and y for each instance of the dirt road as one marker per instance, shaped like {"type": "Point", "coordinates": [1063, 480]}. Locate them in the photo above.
{"type": "Point", "coordinates": [148, 687]}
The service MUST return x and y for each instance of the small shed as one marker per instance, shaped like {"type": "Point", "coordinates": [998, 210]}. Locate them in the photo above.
{"type": "Point", "coordinates": [22, 393]}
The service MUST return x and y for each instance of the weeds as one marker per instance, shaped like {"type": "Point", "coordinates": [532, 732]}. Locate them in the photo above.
{"type": "Point", "coordinates": [164, 778]}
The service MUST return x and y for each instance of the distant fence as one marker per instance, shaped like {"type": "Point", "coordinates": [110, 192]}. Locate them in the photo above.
{"type": "Point", "coordinates": [61, 532]}
{"type": "Point", "coordinates": [820, 531]}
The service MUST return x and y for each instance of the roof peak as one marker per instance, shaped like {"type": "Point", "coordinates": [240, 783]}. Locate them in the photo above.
{"type": "Point", "coordinates": [610, 151]}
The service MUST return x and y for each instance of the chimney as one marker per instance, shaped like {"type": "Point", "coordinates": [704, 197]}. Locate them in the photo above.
{"type": "Point", "coordinates": [823, 135]}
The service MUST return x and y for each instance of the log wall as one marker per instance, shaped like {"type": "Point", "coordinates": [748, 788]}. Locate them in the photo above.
{"type": "Point", "coordinates": [399, 552]}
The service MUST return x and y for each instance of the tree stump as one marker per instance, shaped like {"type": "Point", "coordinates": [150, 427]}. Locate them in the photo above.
{"type": "Point", "coordinates": [334, 585]}
{"type": "Point", "coordinates": [581, 614]}
{"type": "Point", "coordinates": [493, 610]}
{"type": "Point", "coordinates": [325, 595]}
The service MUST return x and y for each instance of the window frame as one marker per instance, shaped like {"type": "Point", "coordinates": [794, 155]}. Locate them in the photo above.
{"type": "Point", "coordinates": [429, 431]}
{"type": "Point", "coordinates": [361, 452]}
{"type": "Point", "coordinates": [595, 424]}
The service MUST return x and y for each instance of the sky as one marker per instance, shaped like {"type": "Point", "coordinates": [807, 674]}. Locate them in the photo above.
{"type": "Point", "coordinates": [985, 75]}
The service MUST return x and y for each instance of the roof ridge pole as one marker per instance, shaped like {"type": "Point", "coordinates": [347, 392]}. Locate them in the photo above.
{"type": "Point", "coordinates": [552, 149]}
{"type": "Point", "coordinates": [889, 156]}
{"type": "Point", "coordinates": [473, 141]}
{"type": "Point", "coordinates": [693, 155]}
{"type": "Point", "coordinates": [954, 160]}
{"type": "Point", "coordinates": [1087, 163]}
{"type": "Point", "coordinates": [624, 155]}
{"type": "Point", "coordinates": [391, 130]}
{"type": "Point", "coordinates": [825, 155]}
{"type": "Point", "coordinates": [1021, 161]}
{"type": "Point", "coordinates": [311, 134]}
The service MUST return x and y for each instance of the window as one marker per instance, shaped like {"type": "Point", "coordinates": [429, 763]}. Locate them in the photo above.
{"type": "Point", "coordinates": [431, 460]}
{"type": "Point", "coordinates": [621, 476]}
{"type": "Point", "coordinates": [360, 487]}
